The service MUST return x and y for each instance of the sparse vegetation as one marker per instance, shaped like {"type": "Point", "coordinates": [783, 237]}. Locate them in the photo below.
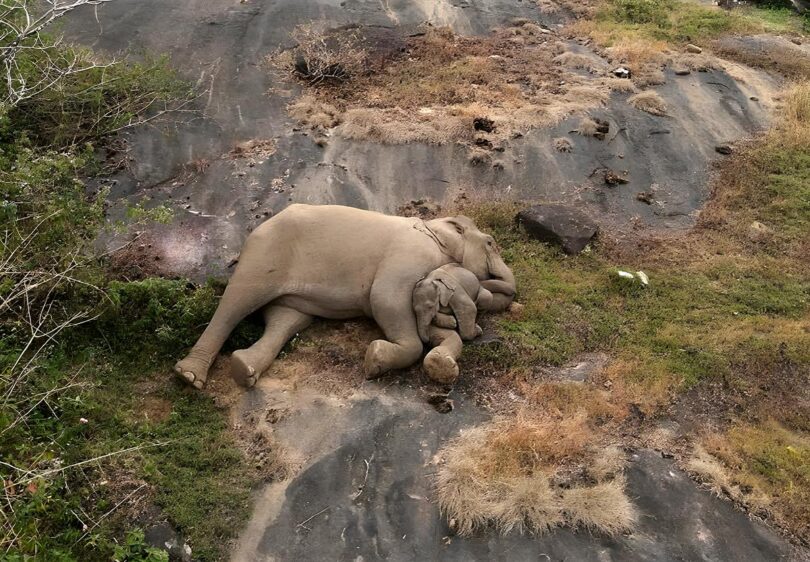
{"type": "Point", "coordinates": [725, 318]}
{"type": "Point", "coordinates": [648, 34]}
{"type": "Point", "coordinates": [88, 441]}
{"type": "Point", "coordinates": [434, 90]}
{"type": "Point", "coordinates": [533, 475]}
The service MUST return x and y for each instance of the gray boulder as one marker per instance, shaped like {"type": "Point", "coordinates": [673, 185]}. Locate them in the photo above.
{"type": "Point", "coordinates": [558, 224]}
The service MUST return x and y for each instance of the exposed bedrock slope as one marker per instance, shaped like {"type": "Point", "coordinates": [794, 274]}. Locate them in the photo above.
{"type": "Point", "coordinates": [219, 197]}
{"type": "Point", "coordinates": [336, 508]}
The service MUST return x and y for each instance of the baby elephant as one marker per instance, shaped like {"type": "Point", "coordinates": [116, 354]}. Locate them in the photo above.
{"type": "Point", "coordinates": [446, 303]}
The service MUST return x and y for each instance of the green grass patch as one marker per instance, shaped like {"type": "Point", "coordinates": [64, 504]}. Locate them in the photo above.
{"type": "Point", "coordinates": [685, 21]}
{"type": "Point", "coordinates": [695, 319]}
{"type": "Point", "coordinates": [90, 414]}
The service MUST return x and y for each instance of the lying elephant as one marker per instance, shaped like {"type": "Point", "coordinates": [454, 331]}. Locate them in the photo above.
{"type": "Point", "coordinates": [339, 262]}
{"type": "Point", "coordinates": [449, 288]}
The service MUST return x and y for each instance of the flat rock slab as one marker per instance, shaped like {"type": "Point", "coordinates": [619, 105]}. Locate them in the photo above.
{"type": "Point", "coordinates": [563, 225]}
{"type": "Point", "coordinates": [365, 493]}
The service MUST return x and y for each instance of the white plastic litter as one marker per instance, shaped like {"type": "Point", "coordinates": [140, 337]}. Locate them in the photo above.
{"type": "Point", "coordinates": [639, 276]}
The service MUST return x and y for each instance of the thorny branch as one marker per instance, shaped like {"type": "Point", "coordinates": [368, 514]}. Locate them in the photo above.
{"type": "Point", "coordinates": [21, 25]}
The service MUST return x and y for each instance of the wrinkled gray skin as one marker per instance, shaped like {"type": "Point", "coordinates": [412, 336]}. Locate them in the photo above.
{"type": "Point", "coordinates": [449, 298]}
{"type": "Point", "coordinates": [340, 262]}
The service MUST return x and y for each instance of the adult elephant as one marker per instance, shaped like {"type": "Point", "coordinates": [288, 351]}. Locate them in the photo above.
{"type": "Point", "coordinates": [340, 262]}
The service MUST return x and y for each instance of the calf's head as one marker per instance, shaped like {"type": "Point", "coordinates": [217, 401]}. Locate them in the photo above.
{"type": "Point", "coordinates": [476, 251]}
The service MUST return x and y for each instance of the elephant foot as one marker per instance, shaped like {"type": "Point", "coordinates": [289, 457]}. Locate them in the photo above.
{"type": "Point", "coordinates": [191, 371]}
{"type": "Point", "coordinates": [243, 369]}
{"type": "Point", "coordinates": [440, 367]}
{"type": "Point", "coordinates": [374, 365]}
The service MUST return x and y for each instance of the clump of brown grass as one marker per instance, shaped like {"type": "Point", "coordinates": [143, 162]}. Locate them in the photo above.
{"type": "Point", "coordinates": [434, 89]}
{"type": "Point", "coordinates": [562, 144]}
{"type": "Point", "coordinates": [397, 126]}
{"type": "Point", "coordinates": [650, 102]}
{"type": "Point", "coordinates": [620, 85]}
{"type": "Point", "coordinates": [501, 474]}
{"type": "Point", "coordinates": [587, 127]}
{"type": "Point", "coordinates": [569, 399]}
{"type": "Point", "coordinates": [603, 508]}
{"type": "Point", "coordinates": [579, 61]}
{"type": "Point", "coordinates": [310, 111]}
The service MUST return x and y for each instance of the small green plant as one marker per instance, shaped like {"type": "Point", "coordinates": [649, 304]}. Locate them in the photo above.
{"type": "Point", "coordinates": [135, 549]}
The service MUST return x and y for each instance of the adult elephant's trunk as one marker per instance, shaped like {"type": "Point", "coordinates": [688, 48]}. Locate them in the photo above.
{"type": "Point", "coordinates": [501, 283]}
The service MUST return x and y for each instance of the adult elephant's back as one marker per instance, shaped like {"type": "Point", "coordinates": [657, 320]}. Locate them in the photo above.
{"type": "Point", "coordinates": [323, 259]}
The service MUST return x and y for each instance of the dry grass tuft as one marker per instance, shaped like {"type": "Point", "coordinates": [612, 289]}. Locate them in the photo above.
{"type": "Point", "coordinates": [434, 89]}
{"type": "Point", "coordinates": [587, 127]}
{"type": "Point", "coordinates": [579, 61]}
{"type": "Point", "coordinates": [650, 102]}
{"type": "Point", "coordinates": [314, 113]}
{"type": "Point", "coordinates": [711, 471]}
{"type": "Point", "coordinates": [396, 126]}
{"type": "Point", "coordinates": [562, 144]}
{"type": "Point", "coordinates": [620, 85]}
{"type": "Point", "coordinates": [506, 474]}
{"type": "Point", "coordinates": [527, 505]}
{"type": "Point", "coordinates": [603, 508]}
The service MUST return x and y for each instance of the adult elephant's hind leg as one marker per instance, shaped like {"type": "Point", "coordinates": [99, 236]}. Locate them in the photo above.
{"type": "Point", "coordinates": [392, 308]}
{"type": "Point", "coordinates": [236, 303]}
{"type": "Point", "coordinates": [281, 324]}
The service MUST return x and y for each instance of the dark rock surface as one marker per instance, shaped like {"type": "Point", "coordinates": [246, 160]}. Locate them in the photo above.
{"type": "Point", "coordinates": [164, 537]}
{"type": "Point", "coordinates": [221, 45]}
{"type": "Point", "coordinates": [563, 225]}
{"type": "Point", "coordinates": [337, 509]}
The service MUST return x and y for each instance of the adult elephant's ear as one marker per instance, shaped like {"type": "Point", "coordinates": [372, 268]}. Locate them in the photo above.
{"type": "Point", "coordinates": [449, 234]}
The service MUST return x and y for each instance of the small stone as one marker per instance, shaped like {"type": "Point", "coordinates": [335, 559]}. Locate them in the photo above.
{"type": "Point", "coordinates": [558, 224]}
{"type": "Point", "coordinates": [682, 71]}
{"type": "Point", "coordinates": [613, 179]}
{"type": "Point", "coordinates": [693, 49]}
{"type": "Point", "coordinates": [795, 40]}
{"type": "Point", "coordinates": [758, 232]}
{"type": "Point", "coordinates": [621, 72]}
{"type": "Point", "coordinates": [723, 149]}
{"type": "Point", "coordinates": [753, 98]}
{"type": "Point", "coordinates": [483, 124]}
{"type": "Point", "coordinates": [645, 197]}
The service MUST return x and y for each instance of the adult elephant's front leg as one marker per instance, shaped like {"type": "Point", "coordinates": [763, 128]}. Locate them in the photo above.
{"type": "Point", "coordinates": [392, 308]}
{"type": "Point", "coordinates": [281, 324]}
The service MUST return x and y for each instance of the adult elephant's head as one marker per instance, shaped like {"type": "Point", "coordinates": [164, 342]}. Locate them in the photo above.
{"type": "Point", "coordinates": [473, 249]}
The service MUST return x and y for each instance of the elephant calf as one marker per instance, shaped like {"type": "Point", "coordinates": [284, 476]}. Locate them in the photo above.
{"type": "Point", "coordinates": [449, 289]}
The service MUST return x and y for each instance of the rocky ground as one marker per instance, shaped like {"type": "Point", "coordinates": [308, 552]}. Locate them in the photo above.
{"type": "Point", "coordinates": [356, 477]}
{"type": "Point", "coordinates": [220, 192]}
